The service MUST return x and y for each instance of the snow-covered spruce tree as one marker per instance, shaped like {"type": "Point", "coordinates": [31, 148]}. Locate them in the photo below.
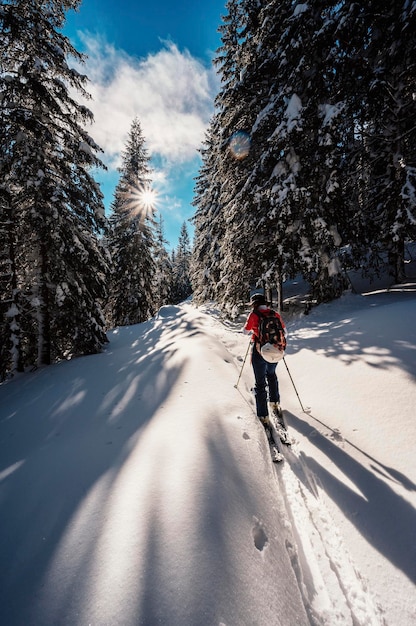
{"type": "Point", "coordinates": [163, 268]}
{"type": "Point", "coordinates": [236, 110]}
{"type": "Point", "coordinates": [131, 237]}
{"type": "Point", "coordinates": [181, 261]}
{"type": "Point", "coordinates": [55, 203]}
{"type": "Point", "coordinates": [281, 204]}
{"type": "Point", "coordinates": [208, 222]}
{"type": "Point", "coordinates": [390, 130]}
{"type": "Point", "coordinates": [11, 354]}
{"type": "Point", "coordinates": [249, 242]}
{"type": "Point", "coordinates": [349, 78]}
{"type": "Point", "coordinates": [227, 210]}
{"type": "Point", "coordinates": [213, 267]}
{"type": "Point", "coordinates": [375, 75]}
{"type": "Point", "coordinates": [296, 182]}
{"type": "Point", "coordinates": [10, 345]}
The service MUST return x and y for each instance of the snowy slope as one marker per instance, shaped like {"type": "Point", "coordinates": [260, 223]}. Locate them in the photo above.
{"type": "Point", "coordinates": [355, 364]}
{"type": "Point", "coordinates": [136, 486]}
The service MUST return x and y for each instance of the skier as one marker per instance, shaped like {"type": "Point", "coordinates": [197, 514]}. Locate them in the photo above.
{"type": "Point", "coordinates": [266, 382]}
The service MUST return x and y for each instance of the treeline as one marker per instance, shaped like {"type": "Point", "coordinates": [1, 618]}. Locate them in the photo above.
{"type": "Point", "coordinates": [308, 167]}
{"type": "Point", "coordinates": [66, 273]}
{"type": "Point", "coordinates": [309, 163]}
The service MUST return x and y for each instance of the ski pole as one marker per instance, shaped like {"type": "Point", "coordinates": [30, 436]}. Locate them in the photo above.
{"type": "Point", "coordinates": [294, 386]}
{"type": "Point", "coordinates": [242, 367]}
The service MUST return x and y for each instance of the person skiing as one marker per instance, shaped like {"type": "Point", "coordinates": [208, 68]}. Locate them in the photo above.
{"type": "Point", "coordinates": [266, 381]}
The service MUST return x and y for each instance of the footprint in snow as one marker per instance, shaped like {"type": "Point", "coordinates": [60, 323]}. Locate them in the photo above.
{"type": "Point", "coordinates": [260, 538]}
{"type": "Point", "coordinates": [246, 436]}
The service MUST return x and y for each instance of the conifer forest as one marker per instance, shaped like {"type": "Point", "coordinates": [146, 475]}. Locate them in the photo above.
{"type": "Point", "coordinates": [308, 167]}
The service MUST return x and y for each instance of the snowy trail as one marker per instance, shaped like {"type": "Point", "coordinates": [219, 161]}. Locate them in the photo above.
{"type": "Point", "coordinates": [136, 488]}
{"type": "Point", "coordinates": [333, 591]}
{"type": "Point", "coordinates": [351, 494]}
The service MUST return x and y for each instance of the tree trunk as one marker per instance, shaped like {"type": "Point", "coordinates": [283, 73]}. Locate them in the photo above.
{"type": "Point", "coordinates": [44, 330]}
{"type": "Point", "coordinates": [15, 322]}
{"type": "Point", "coordinates": [396, 261]}
{"type": "Point", "coordinates": [268, 292]}
{"type": "Point", "coordinates": [11, 348]}
{"type": "Point", "coordinates": [279, 288]}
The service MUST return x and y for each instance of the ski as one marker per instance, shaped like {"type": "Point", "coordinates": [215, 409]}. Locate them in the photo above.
{"type": "Point", "coordinates": [280, 427]}
{"type": "Point", "coordinates": [284, 436]}
{"type": "Point", "coordinates": [276, 454]}
{"type": "Point", "coordinates": [277, 457]}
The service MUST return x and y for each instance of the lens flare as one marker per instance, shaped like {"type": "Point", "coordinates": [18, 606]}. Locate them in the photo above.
{"type": "Point", "coordinates": [240, 144]}
{"type": "Point", "coordinates": [148, 198]}
{"type": "Point", "coordinates": [141, 200]}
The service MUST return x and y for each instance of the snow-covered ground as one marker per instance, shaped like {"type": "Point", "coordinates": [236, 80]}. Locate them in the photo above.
{"type": "Point", "coordinates": [136, 486]}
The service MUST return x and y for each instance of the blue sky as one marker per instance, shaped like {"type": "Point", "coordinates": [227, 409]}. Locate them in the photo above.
{"type": "Point", "coordinates": [152, 61]}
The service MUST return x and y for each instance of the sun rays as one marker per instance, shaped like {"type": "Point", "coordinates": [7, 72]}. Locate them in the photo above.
{"type": "Point", "coordinates": [140, 201]}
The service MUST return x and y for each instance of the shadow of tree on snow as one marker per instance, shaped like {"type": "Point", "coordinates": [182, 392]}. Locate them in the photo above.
{"type": "Point", "coordinates": [384, 518]}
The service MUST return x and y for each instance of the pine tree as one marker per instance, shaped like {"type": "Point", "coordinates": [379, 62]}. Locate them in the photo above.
{"type": "Point", "coordinates": [234, 157]}
{"type": "Point", "coordinates": [389, 131]}
{"type": "Point", "coordinates": [163, 268]}
{"type": "Point", "coordinates": [374, 73]}
{"type": "Point", "coordinates": [298, 177]}
{"type": "Point", "coordinates": [209, 222]}
{"type": "Point", "coordinates": [181, 261]}
{"type": "Point", "coordinates": [131, 237]}
{"type": "Point", "coordinates": [54, 206]}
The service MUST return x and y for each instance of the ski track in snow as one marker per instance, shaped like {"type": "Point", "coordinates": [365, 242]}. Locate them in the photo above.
{"type": "Point", "coordinates": [333, 591]}
{"type": "Point", "coordinates": [322, 561]}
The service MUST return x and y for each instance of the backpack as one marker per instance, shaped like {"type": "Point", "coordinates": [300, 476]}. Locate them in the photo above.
{"type": "Point", "coordinates": [272, 340]}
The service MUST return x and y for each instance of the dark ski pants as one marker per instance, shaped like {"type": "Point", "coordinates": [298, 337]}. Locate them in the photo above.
{"type": "Point", "coordinates": [266, 382]}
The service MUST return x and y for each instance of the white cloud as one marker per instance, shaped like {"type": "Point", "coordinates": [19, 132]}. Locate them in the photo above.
{"type": "Point", "coordinates": [170, 92]}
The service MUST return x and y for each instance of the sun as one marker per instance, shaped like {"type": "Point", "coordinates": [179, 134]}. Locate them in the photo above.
{"type": "Point", "coordinates": [141, 200]}
{"type": "Point", "coordinates": [147, 198]}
